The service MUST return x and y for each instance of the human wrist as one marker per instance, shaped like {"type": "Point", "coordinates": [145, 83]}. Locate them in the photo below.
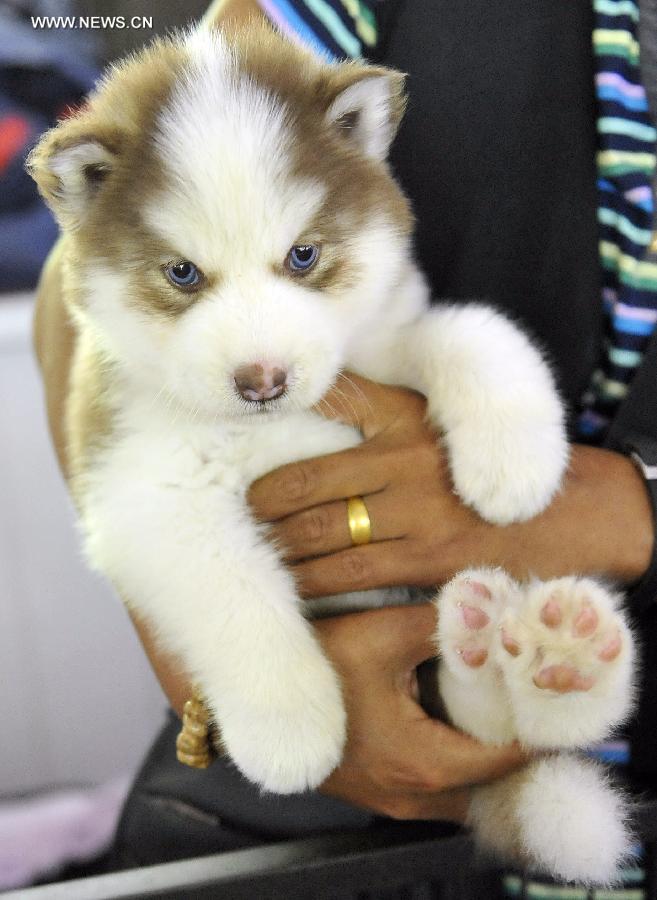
{"type": "Point", "coordinates": [600, 523]}
{"type": "Point", "coordinates": [642, 450]}
{"type": "Point", "coordinates": [620, 506]}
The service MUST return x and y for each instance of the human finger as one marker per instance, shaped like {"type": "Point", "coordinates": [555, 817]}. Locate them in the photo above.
{"type": "Point", "coordinates": [325, 529]}
{"type": "Point", "coordinates": [383, 564]}
{"type": "Point", "coordinates": [452, 759]}
{"type": "Point", "coordinates": [311, 482]}
{"type": "Point", "coordinates": [398, 638]}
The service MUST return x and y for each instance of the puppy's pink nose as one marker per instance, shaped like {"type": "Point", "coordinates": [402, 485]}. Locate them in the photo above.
{"type": "Point", "coordinates": [260, 382]}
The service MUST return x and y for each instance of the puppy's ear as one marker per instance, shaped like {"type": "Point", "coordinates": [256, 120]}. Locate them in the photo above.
{"type": "Point", "coordinates": [70, 165]}
{"type": "Point", "coordinates": [369, 109]}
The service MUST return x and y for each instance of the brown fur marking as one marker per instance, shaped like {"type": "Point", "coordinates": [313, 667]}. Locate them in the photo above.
{"type": "Point", "coordinates": [121, 117]}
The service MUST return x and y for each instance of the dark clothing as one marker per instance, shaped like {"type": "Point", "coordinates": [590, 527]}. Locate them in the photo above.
{"type": "Point", "coordinates": [497, 152]}
{"type": "Point", "coordinates": [175, 812]}
{"type": "Point", "coordinates": [500, 168]}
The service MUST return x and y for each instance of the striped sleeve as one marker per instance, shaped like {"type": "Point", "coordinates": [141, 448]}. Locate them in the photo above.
{"type": "Point", "coordinates": [338, 29]}
{"type": "Point", "coordinates": [626, 166]}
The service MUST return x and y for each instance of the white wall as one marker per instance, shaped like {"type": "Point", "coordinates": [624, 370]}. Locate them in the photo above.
{"type": "Point", "coordinates": [78, 702]}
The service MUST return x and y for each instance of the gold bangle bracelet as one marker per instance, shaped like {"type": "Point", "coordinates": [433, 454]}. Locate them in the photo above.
{"type": "Point", "coordinates": [194, 745]}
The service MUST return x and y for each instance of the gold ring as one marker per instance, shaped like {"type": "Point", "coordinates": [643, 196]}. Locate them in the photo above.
{"type": "Point", "coordinates": [360, 527]}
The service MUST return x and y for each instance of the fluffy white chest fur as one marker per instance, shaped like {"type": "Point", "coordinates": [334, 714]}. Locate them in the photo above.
{"type": "Point", "coordinates": [209, 464]}
{"type": "Point", "coordinates": [234, 239]}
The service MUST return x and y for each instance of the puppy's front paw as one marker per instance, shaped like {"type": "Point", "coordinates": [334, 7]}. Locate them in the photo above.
{"type": "Point", "coordinates": [294, 739]}
{"type": "Point", "coordinates": [566, 654]}
{"type": "Point", "coordinates": [507, 472]}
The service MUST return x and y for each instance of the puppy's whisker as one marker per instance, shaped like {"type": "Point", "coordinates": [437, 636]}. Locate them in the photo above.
{"type": "Point", "coordinates": [358, 391]}
{"type": "Point", "coordinates": [332, 412]}
{"type": "Point", "coordinates": [348, 405]}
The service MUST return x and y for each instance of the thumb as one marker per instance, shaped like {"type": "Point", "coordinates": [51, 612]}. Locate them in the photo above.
{"type": "Point", "coordinates": [400, 637]}
{"type": "Point", "coordinates": [460, 759]}
{"type": "Point", "coordinates": [417, 638]}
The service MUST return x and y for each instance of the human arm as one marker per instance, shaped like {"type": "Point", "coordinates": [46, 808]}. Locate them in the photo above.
{"type": "Point", "coordinates": [634, 430]}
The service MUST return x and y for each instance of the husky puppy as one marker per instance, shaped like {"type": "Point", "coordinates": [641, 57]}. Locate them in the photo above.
{"type": "Point", "coordinates": [233, 238]}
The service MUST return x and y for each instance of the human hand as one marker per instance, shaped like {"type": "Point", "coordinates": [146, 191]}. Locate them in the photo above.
{"type": "Point", "coordinates": [421, 531]}
{"type": "Point", "coordinates": [399, 762]}
{"type": "Point", "coordinates": [600, 523]}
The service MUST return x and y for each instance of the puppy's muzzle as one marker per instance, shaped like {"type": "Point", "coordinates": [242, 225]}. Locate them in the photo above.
{"type": "Point", "coordinates": [260, 382]}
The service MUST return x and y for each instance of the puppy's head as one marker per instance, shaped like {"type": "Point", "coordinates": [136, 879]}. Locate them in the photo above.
{"type": "Point", "coordinates": [233, 222]}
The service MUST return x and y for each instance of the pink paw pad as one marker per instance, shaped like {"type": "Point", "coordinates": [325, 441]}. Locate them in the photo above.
{"type": "Point", "coordinates": [511, 646]}
{"type": "Point", "coordinates": [479, 589]}
{"type": "Point", "coordinates": [474, 618]}
{"type": "Point", "coordinates": [562, 679]}
{"type": "Point", "coordinates": [586, 622]}
{"type": "Point", "coordinates": [473, 658]}
{"type": "Point", "coordinates": [551, 613]}
{"type": "Point", "coordinates": [611, 649]}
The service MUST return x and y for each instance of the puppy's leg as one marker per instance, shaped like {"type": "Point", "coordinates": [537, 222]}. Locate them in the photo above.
{"type": "Point", "coordinates": [492, 396]}
{"type": "Point", "coordinates": [558, 815]}
{"type": "Point", "coordinates": [471, 685]}
{"type": "Point", "coordinates": [567, 657]}
{"type": "Point", "coordinates": [196, 567]}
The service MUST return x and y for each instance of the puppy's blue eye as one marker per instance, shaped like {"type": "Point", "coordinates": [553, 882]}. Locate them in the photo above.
{"type": "Point", "coordinates": [302, 257]}
{"type": "Point", "coordinates": [183, 274]}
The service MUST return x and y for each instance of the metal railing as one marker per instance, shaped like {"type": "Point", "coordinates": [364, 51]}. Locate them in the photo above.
{"type": "Point", "coordinates": [401, 857]}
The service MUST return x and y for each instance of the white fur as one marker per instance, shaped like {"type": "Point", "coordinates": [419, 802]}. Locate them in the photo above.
{"type": "Point", "coordinates": [163, 506]}
{"type": "Point", "coordinates": [69, 166]}
{"type": "Point", "coordinates": [579, 718]}
{"type": "Point", "coordinates": [370, 99]}
{"type": "Point", "coordinates": [229, 204]}
{"type": "Point", "coordinates": [490, 394]}
{"type": "Point", "coordinates": [494, 398]}
{"type": "Point", "coordinates": [559, 813]}
{"type": "Point", "coordinates": [168, 523]}
{"type": "Point", "coordinates": [475, 698]}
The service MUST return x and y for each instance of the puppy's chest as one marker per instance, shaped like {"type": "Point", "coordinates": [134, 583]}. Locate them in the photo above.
{"type": "Point", "coordinates": [225, 456]}
{"type": "Point", "coordinates": [255, 449]}
{"type": "Point", "coordinates": [201, 461]}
